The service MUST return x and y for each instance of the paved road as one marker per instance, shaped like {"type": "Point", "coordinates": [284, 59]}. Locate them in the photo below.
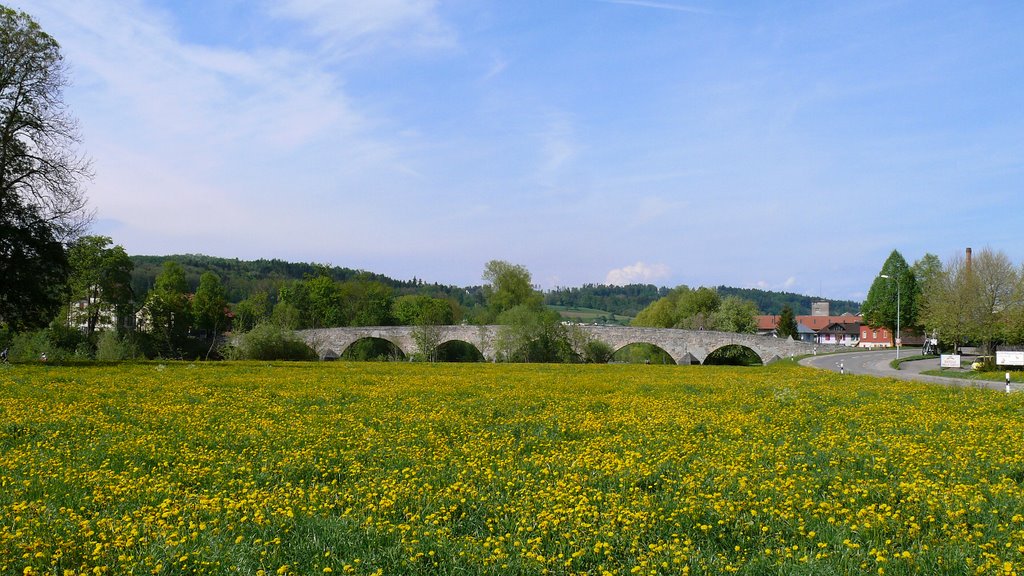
{"type": "Point", "coordinates": [877, 364]}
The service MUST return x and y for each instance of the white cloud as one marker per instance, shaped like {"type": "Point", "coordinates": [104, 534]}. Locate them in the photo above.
{"type": "Point", "coordinates": [786, 285]}
{"type": "Point", "coordinates": [345, 26]}
{"type": "Point", "coordinates": [639, 273]}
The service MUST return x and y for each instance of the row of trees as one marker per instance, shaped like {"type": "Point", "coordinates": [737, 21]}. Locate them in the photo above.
{"type": "Point", "coordinates": [977, 300]}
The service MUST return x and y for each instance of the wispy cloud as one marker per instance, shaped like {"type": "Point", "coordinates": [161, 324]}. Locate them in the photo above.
{"type": "Point", "coordinates": [654, 208]}
{"type": "Point", "coordinates": [659, 6]}
{"type": "Point", "coordinates": [192, 132]}
{"type": "Point", "coordinates": [638, 273]}
{"type": "Point", "coordinates": [498, 65]}
{"type": "Point", "coordinates": [558, 147]}
{"type": "Point", "coordinates": [353, 25]}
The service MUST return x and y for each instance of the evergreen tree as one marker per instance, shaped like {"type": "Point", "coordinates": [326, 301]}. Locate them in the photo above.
{"type": "Point", "coordinates": [895, 280]}
{"type": "Point", "coordinates": [787, 324]}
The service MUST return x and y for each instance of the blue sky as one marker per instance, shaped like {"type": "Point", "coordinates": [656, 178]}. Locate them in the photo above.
{"type": "Point", "coordinates": [782, 145]}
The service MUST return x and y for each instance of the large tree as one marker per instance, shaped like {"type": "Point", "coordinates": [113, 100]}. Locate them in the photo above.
{"type": "Point", "coordinates": [209, 305]}
{"type": "Point", "coordinates": [508, 286]}
{"type": "Point", "coordinates": [209, 308]}
{"type": "Point", "coordinates": [736, 315]}
{"type": "Point", "coordinates": [169, 309]}
{"type": "Point", "coordinates": [101, 280]}
{"type": "Point", "coordinates": [696, 309]}
{"type": "Point", "coordinates": [42, 203]}
{"type": "Point", "coordinates": [894, 282]}
{"type": "Point", "coordinates": [927, 275]}
{"type": "Point", "coordinates": [995, 281]}
{"type": "Point", "coordinates": [980, 301]}
{"type": "Point", "coordinates": [253, 310]}
{"type": "Point", "coordinates": [948, 303]}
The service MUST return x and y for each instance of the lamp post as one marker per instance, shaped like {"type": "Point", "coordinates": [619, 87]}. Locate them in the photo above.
{"type": "Point", "coordinates": [897, 280]}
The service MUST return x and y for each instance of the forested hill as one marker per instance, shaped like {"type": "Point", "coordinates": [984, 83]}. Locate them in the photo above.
{"type": "Point", "coordinates": [630, 300]}
{"type": "Point", "coordinates": [626, 300]}
{"type": "Point", "coordinates": [241, 278]}
{"type": "Point", "coordinates": [244, 277]}
{"type": "Point", "coordinates": [773, 302]}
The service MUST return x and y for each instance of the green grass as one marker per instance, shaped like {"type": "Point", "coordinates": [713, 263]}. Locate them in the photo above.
{"type": "Point", "coordinates": [495, 469]}
{"type": "Point", "coordinates": [591, 315]}
{"type": "Point", "coordinates": [997, 376]}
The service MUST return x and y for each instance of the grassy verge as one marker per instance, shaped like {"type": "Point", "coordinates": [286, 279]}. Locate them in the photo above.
{"type": "Point", "coordinates": [895, 364]}
{"type": "Point", "coordinates": [999, 376]}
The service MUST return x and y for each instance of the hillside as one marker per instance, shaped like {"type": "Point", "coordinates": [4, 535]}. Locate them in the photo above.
{"type": "Point", "coordinates": [772, 302]}
{"type": "Point", "coordinates": [243, 277]}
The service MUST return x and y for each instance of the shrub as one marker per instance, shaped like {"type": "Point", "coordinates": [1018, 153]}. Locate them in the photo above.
{"type": "Point", "coordinates": [597, 352]}
{"type": "Point", "coordinates": [113, 348]}
{"type": "Point", "coordinates": [58, 342]}
{"type": "Point", "coordinates": [269, 341]}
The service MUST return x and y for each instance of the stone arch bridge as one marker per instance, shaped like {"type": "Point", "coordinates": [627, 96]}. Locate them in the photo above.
{"type": "Point", "coordinates": [684, 346]}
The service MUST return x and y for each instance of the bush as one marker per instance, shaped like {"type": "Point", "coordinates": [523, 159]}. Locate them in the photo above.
{"type": "Point", "coordinates": [58, 342]}
{"type": "Point", "coordinates": [269, 341]}
{"type": "Point", "coordinates": [597, 352]}
{"type": "Point", "coordinates": [113, 348]}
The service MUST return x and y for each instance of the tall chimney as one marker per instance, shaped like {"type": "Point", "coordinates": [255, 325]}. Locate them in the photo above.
{"type": "Point", "coordinates": [968, 260]}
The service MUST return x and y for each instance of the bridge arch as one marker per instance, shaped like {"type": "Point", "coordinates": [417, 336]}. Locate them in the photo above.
{"type": "Point", "coordinates": [456, 350]}
{"type": "Point", "coordinates": [642, 353]}
{"type": "Point", "coordinates": [373, 348]}
{"type": "Point", "coordinates": [734, 355]}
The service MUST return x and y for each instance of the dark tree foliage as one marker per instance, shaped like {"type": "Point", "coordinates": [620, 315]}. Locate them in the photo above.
{"type": "Point", "coordinates": [630, 300]}
{"type": "Point", "coordinates": [773, 302]}
{"type": "Point", "coordinates": [42, 203]}
{"type": "Point", "coordinates": [787, 324]}
{"type": "Point", "coordinates": [894, 282]}
{"type": "Point", "coordinates": [242, 278]}
{"type": "Point", "coordinates": [33, 268]}
{"type": "Point", "coordinates": [626, 300]}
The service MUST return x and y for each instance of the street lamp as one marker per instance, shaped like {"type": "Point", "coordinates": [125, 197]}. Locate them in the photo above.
{"type": "Point", "coordinates": [887, 277]}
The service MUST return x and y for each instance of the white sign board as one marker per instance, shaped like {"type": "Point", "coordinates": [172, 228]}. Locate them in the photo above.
{"type": "Point", "coordinates": [949, 361]}
{"type": "Point", "coordinates": [1010, 358]}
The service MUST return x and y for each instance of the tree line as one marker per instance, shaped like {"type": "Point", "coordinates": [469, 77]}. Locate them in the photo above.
{"type": "Point", "coordinates": [963, 300]}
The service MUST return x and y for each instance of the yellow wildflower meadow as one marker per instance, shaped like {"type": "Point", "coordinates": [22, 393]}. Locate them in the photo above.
{"type": "Point", "coordinates": [503, 469]}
